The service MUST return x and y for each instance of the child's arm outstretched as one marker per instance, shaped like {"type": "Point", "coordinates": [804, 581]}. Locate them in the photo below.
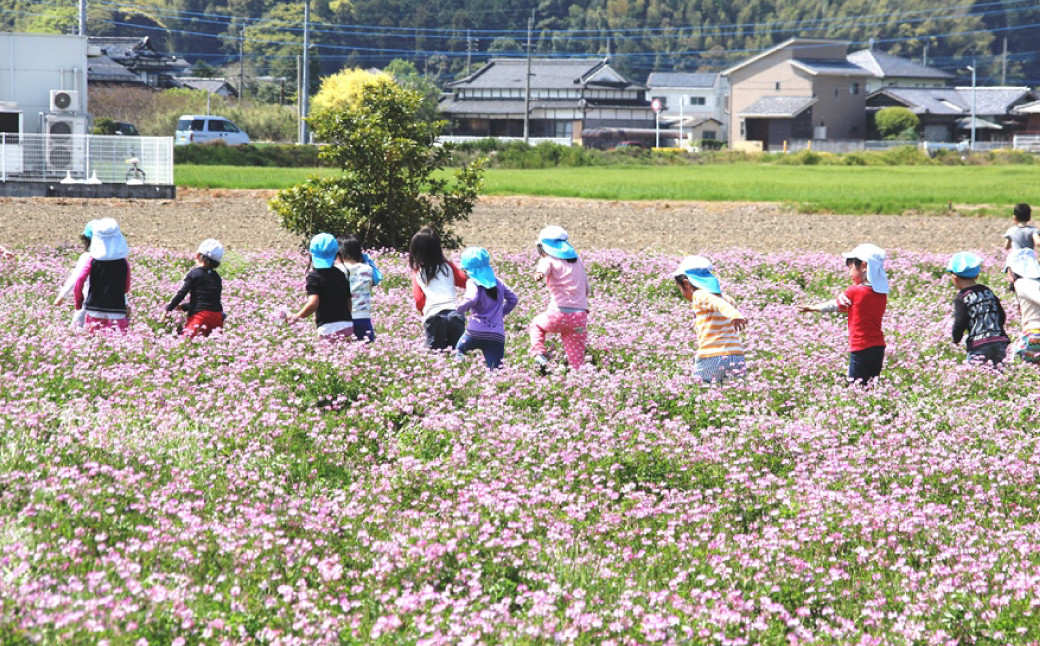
{"type": "Point", "coordinates": [175, 302]}
{"type": "Point", "coordinates": [310, 307]}
{"type": "Point", "coordinates": [727, 309]}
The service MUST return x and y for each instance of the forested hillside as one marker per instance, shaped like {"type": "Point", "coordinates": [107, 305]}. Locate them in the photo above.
{"type": "Point", "coordinates": [443, 38]}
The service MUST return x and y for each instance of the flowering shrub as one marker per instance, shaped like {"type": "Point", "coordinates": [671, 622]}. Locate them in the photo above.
{"type": "Point", "coordinates": [261, 486]}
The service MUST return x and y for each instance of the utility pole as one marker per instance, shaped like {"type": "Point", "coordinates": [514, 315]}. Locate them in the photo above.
{"type": "Point", "coordinates": [82, 17]}
{"type": "Point", "coordinates": [469, 52]}
{"type": "Point", "coordinates": [925, 62]}
{"type": "Point", "coordinates": [974, 105]}
{"type": "Point", "coordinates": [305, 81]}
{"type": "Point", "coordinates": [527, 81]}
{"type": "Point", "coordinates": [1003, 64]}
{"type": "Point", "coordinates": [241, 63]}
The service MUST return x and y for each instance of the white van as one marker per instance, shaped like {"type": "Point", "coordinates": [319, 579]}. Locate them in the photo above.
{"type": "Point", "coordinates": [204, 128]}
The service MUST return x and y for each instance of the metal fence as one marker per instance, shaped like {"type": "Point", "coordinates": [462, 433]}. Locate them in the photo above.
{"type": "Point", "coordinates": [90, 159]}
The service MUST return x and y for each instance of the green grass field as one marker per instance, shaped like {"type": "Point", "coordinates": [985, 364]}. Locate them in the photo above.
{"type": "Point", "coordinates": [840, 189]}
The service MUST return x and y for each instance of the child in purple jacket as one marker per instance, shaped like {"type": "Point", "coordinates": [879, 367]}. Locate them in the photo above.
{"type": "Point", "coordinates": [489, 300]}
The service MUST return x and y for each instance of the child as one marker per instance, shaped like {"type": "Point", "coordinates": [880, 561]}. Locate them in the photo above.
{"type": "Point", "coordinates": [205, 311]}
{"type": "Point", "coordinates": [328, 291]}
{"type": "Point", "coordinates": [865, 304]}
{"type": "Point", "coordinates": [490, 301]}
{"type": "Point", "coordinates": [363, 276]}
{"type": "Point", "coordinates": [1023, 272]}
{"type": "Point", "coordinates": [70, 282]}
{"type": "Point", "coordinates": [567, 315]}
{"type": "Point", "coordinates": [1021, 236]}
{"type": "Point", "coordinates": [103, 299]}
{"type": "Point", "coordinates": [434, 280]}
{"type": "Point", "coordinates": [977, 311]}
{"type": "Point", "coordinates": [720, 353]}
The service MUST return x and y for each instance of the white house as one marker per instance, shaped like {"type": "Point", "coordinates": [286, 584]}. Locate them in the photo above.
{"type": "Point", "coordinates": [692, 98]}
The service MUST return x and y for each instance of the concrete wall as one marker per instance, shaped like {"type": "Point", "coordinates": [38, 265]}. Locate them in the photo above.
{"type": "Point", "coordinates": [841, 113]}
{"type": "Point", "coordinates": [31, 65]}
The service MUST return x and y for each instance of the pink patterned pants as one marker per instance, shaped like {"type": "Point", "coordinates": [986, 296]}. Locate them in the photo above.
{"type": "Point", "coordinates": [572, 328]}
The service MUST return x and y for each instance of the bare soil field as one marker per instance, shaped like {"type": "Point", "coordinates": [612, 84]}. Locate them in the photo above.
{"type": "Point", "coordinates": [242, 221]}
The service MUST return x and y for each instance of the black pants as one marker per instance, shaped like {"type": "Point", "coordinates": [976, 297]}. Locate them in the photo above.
{"type": "Point", "coordinates": [444, 329]}
{"type": "Point", "coordinates": [864, 365]}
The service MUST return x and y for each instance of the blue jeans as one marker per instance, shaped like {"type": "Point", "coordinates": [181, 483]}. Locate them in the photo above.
{"type": "Point", "coordinates": [864, 365]}
{"type": "Point", "coordinates": [363, 330]}
{"type": "Point", "coordinates": [988, 353]}
{"type": "Point", "coordinates": [443, 329]}
{"type": "Point", "coordinates": [494, 349]}
{"type": "Point", "coordinates": [720, 368]}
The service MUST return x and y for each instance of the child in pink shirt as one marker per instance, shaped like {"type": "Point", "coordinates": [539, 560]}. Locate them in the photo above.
{"type": "Point", "coordinates": [568, 311]}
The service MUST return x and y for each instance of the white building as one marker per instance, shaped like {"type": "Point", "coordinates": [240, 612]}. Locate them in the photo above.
{"type": "Point", "coordinates": [693, 98]}
{"type": "Point", "coordinates": [40, 75]}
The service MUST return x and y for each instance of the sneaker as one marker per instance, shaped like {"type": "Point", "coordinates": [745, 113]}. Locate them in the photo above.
{"type": "Point", "coordinates": [542, 362]}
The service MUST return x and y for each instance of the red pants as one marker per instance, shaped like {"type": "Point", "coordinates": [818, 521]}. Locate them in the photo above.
{"type": "Point", "coordinates": [203, 323]}
{"type": "Point", "coordinates": [92, 324]}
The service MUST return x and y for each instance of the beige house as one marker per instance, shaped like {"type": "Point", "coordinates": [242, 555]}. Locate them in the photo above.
{"type": "Point", "coordinates": [802, 89]}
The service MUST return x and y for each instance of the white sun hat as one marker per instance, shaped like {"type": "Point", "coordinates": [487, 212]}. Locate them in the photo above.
{"type": "Point", "coordinates": [212, 249]}
{"type": "Point", "coordinates": [874, 256]}
{"type": "Point", "coordinates": [1023, 263]}
{"type": "Point", "coordinates": [108, 242]}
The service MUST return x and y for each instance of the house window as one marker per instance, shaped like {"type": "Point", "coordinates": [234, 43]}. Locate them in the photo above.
{"type": "Point", "coordinates": [778, 85]}
{"type": "Point", "coordinates": [854, 89]}
{"type": "Point", "coordinates": [743, 128]}
{"type": "Point", "coordinates": [697, 100]}
{"type": "Point", "coordinates": [710, 134]}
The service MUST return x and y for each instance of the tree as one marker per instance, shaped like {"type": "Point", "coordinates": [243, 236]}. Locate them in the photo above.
{"type": "Point", "coordinates": [343, 89]}
{"type": "Point", "coordinates": [896, 123]}
{"type": "Point", "coordinates": [387, 190]}
{"type": "Point", "coordinates": [407, 76]}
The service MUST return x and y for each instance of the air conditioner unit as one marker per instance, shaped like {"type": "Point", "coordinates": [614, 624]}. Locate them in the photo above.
{"type": "Point", "coordinates": [66, 142]}
{"type": "Point", "coordinates": [64, 101]}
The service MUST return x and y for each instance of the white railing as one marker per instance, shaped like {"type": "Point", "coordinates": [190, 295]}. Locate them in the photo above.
{"type": "Point", "coordinates": [90, 159]}
{"type": "Point", "coordinates": [1028, 142]}
{"type": "Point", "coordinates": [534, 141]}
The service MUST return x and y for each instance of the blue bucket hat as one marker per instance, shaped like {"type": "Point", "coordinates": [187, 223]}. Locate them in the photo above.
{"type": "Point", "coordinates": [554, 241]}
{"type": "Point", "coordinates": [324, 249]}
{"type": "Point", "coordinates": [699, 272]}
{"type": "Point", "coordinates": [964, 265]}
{"type": "Point", "coordinates": [476, 262]}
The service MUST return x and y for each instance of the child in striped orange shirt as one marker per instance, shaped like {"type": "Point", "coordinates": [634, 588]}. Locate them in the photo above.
{"type": "Point", "coordinates": [720, 352]}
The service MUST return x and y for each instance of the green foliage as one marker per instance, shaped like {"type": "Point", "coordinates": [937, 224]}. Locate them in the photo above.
{"type": "Point", "coordinates": [896, 123]}
{"type": "Point", "coordinates": [388, 188]}
{"type": "Point", "coordinates": [218, 154]}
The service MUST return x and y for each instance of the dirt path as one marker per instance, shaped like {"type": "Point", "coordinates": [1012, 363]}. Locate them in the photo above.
{"type": "Point", "coordinates": [241, 220]}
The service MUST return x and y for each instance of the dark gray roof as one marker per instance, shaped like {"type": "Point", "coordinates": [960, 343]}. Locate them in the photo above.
{"type": "Point", "coordinates": [990, 101]}
{"type": "Point", "coordinates": [1032, 107]}
{"type": "Point", "coordinates": [980, 124]}
{"type": "Point", "coordinates": [102, 69]}
{"type": "Point", "coordinates": [516, 106]}
{"type": "Point", "coordinates": [778, 107]}
{"type": "Point", "coordinates": [682, 79]}
{"type": "Point", "coordinates": [996, 100]}
{"type": "Point", "coordinates": [131, 51]}
{"type": "Point", "coordinates": [830, 68]}
{"type": "Point", "coordinates": [883, 65]}
{"type": "Point", "coordinates": [545, 74]}
{"type": "Point", "coordinates": [928, 100]}
{"type": "Point", "coordinates": [211, 85]}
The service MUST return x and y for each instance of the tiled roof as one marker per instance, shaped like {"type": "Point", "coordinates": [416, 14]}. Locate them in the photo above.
{"type": "Point", "coordinates": [545, 74]}
{"type": "Point", "coordinates": [883, 65]}
{"type": "Point", "coordinates": [1028, 108]}
{"type": "Point", "coordinates": [830, 68]}
{"type": "Point", "coordinates": [980, 124]}
{"type": "Point", "coordinates": [211, 85]}
{"type": "Point", "coordinates": [516, 106]}
{"type": "Point", "coordinates": [996, 100]}
{"type": "Point", "coordinates": [104, 69]}
{"type": "Point", "coordinates": [989, 101]}
{"type": "Point", "coordinates": [778, 107]}
{"type": "Point", "coordinates": [933, 100]}
{"type": "Point", "coordinates": [682, 79]}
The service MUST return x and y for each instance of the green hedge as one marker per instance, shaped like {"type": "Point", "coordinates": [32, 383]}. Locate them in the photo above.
{"type": "Point", "coordinates": [220, 154]}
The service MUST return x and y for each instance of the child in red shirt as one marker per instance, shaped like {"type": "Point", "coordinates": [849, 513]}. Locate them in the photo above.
{"type": "Point", "coordinates": [865, 303]}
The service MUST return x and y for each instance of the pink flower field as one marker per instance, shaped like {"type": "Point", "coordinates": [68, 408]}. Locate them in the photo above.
{"type": "Point", "coordinates": [261, 486]}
